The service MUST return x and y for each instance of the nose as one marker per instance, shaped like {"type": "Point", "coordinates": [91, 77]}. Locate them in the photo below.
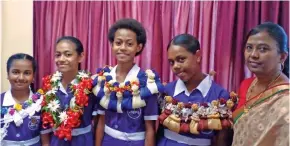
{"type": "Point", "coordinates": [61, 58]}
{"type": "Point", "coordinates": [122, 46]}
{"type": "Point", "coordinates": [21, 76]}
{"type": "Point", "coordinates": [254, 53]}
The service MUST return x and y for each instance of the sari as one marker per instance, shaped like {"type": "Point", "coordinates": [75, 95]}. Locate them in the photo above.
{"type": "Point", "coordinates": [266, 123]}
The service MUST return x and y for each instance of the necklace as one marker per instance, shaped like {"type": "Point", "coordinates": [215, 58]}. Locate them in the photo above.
{"type": "Point", "coordinates": [247, 107]}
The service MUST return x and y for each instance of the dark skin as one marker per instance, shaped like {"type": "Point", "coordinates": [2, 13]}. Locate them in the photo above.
{"type": "Point", "coordinates": [67, 60]}
{"type": "Point", "coordinates": [125, 47]}
{"type": "Point", "coordinates": [186, 66]}
{"type": "Point", "coordinates": [20, 76]}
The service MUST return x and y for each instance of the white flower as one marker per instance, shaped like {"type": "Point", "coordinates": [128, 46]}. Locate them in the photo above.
{"type": "Point", "coordinates": [122, 85]}
{"type": "Point", "coordinates": [134, 88]}
{"type": "Point", "coordinates": [62, 116]}
{"type": "Point", "coordinates": [82, 75]}
{"type": "Point", "coordinates": [53, 105]}
{"type": "Point", "coordinates": [52, 91]}
{"type": "Point", "coordinates": [119, 95]}
{"type": "Point", "coordinates": [150, 74]}
{"type": "Point", "coordinates": [72, 103]}
{"type": "Point", "coordinates": [56, 77]}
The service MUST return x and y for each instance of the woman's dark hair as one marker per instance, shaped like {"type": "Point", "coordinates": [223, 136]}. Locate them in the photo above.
{"type": "Point", "coordinates": [130, 24]}
{"type": "Point", "coordinates": [186, 41]}
{"type": "Point", "coordinates": [23, 56]}
{"type": "Point", "coordinates": [76, 41]}
{"type": "Point", "coordinates": [279, 35]}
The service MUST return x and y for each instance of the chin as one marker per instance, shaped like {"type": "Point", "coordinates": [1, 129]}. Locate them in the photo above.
{"type": "Point", "coordinates": [63, 70]}
{"type": "Point", "coordinates": [256, 71]}
{"type": "Point", "coordinates": [21, 88]}
{"type": "Point", "coordinates": [123, 60]}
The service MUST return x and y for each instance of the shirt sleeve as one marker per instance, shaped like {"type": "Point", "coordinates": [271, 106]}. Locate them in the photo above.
{"type": "Point", "coordinates": [151, 108]}
{"type": "Point", "coordinates": [224, 94]}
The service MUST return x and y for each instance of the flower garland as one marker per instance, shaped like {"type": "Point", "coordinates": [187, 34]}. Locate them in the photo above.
{"type": "Point", "coordinates": [192, 117]}
{"type": "Point", "coordinates": [64, 120]}
{"type": "Point", "coordinates": [130, 95]}
{"type": "Point", "coordinates": [18, 112]}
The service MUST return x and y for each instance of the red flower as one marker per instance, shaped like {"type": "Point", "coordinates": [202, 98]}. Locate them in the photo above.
{"type": "Point", "coordinates": [63, 132]}
{"type": "Point", "coordinates": [47, 119]}
{"type": "Point", "coordinates": [174, 102]}
{"type": "Point", "coordinates": [222, 101]}
{"type": "Point", "coordinates": [204, 104]}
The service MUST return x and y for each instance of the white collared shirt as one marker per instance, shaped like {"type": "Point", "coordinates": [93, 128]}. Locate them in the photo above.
{"type": "Point", "coordinates": [131, 74]}
{"type": "Point", "coordinates": [9, 100]}
{"type": "Point", "coordinates": [62, 89]}
{"type": "Point", "coordinates": [203, 87]}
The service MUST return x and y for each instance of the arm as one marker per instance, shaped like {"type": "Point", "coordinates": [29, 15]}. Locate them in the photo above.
{"type": "Point", "coordinates": [45, 139]}
{"type": "Point", "coordinates": [150, 133]}
{"type": "Point", "coordinates": [100, 130]}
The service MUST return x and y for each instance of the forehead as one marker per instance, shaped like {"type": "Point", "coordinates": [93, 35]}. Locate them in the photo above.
{"type": "Point", "coordinates": [21, 64]}
{"type": "Point", "coordinates": [176, 50]}
{"type": "Point", "coordinates": [261, 38]}
{"type": "Point", "coordinates": [125, 34]}
{"type": "Point", "coordinates": [65, 46]}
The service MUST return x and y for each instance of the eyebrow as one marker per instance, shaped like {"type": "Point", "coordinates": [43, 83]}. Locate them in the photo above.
{"type": "Point", "coordinates": [129, 39]}
{"type": "Point", "coordinates": [66, 51]}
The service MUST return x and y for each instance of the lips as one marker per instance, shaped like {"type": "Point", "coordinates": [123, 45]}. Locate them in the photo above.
{"type": "Point", "coordinates": [121, 55]}
{"type": "Point", "coordinates": [62, 65]}
{"type": "Point", "coordinates": [20, 84]}
{"type": "Point", "coordinates": [254, 64]}
{"type": "Point", "coordinates": [179, 74]}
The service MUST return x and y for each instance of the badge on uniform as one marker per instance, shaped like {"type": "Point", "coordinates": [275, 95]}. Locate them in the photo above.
{"type": "Point", "coordinates": [134, 114]}
{"type": "Point", "coordinates": [34, 122]}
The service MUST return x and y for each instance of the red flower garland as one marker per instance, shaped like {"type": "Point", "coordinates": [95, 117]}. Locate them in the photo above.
{"type": "Point", "coordinates": [49, 118]}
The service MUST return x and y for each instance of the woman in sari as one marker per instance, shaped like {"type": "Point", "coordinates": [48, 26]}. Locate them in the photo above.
{"type": "Point", "coordinates": [261, 118]}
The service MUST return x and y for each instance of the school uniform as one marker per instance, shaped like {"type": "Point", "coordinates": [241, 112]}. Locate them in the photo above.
{"type": "Point", "coordinates": [24, 128]}
{"type": "Point", "coordinates": [205, 92]}
{"type": "Point", "coordinates": [128, 127]}
{"type": "Point", "coordinates": [82, 135]}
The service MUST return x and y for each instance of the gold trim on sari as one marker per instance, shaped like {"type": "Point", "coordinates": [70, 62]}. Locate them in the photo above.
{"type": "Point", "coordinates": [264, 97]}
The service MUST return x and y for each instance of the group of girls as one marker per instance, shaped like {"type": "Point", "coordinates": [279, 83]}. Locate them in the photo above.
{"type": "Point", "coordinates": [118, 105]}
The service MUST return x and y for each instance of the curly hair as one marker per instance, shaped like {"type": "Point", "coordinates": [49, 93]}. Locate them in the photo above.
{"type": "Point", "coordinates": [130, 24]}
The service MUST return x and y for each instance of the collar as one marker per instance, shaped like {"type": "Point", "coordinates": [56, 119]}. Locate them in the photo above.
{"type": "Point", "coordinates": [131, 74]}
{"type": "Point", "coordinates": [203, 87]}
{"type": "Point", "coordinates": [9, 100]}
{"type": "Point", "coordinates": [62, 89]}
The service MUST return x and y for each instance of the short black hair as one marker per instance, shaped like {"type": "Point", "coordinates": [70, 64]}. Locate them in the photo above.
{"type": "Point", "coordinates": [186, 41]}
{"type": "Point", "coordinates": [76, 41]}
{"type": "Point", "coordinates": [21, 56]}
{"type": "Point", "coordinates": [278, 34]}
{"type": "Point", "coordinates": [130, 24]}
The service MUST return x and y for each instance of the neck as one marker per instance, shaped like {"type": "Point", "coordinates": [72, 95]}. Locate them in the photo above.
{"type": "Point", "coordinates": [124, 68]}
{"type": "Point", "coordinates": [194, 82]}
{"type": "Point", "coordinates": [267, 79]}
{"type": "Point", "coordinates": [20, 95]}
{"type": "Point", "coordinates": [68, 77]}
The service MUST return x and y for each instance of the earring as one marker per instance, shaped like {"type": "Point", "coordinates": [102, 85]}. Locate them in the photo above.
{"type": "Point", "coordinates": [282, 66]}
